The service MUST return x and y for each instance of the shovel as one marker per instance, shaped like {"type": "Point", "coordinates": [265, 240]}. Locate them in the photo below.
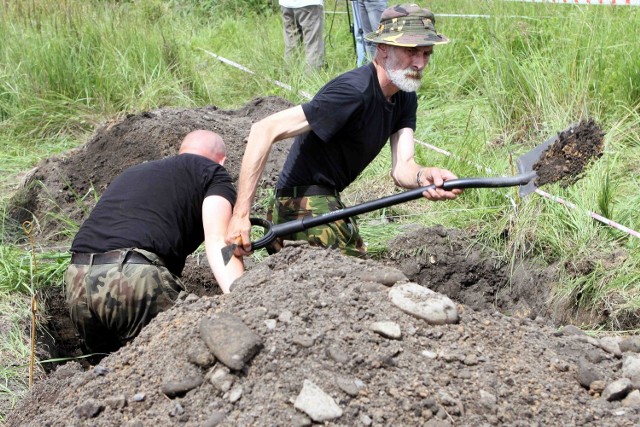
{"type": "Point", "coordinates": [525, 179]}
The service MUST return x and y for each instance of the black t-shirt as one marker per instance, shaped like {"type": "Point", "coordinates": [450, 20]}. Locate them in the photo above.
{"type": "Point", "coordinates": [351, 121]}
{"type": "Point", "coordinates": [156, 206]}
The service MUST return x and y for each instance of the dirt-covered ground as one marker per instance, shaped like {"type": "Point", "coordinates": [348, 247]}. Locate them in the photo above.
{"type": "Point", "coordinates": [311, 336]}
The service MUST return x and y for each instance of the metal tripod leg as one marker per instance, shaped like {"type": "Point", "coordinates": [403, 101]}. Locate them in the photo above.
{"type": "Point", "coordinates": [358, 34]}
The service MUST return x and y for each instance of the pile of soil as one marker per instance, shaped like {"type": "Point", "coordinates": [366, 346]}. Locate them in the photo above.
{"type": "Point", "coordinates": [306, 315]}
{"type": "Point", "coordinates": [312, 336]}
{"type": "Point", "coordinates": [64, 189]}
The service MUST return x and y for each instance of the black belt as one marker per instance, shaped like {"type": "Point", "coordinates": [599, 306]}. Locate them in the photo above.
{"type": "Point", "coordinates": [307, 190]}
{"type": "Point", "coordinates": [112, 257]}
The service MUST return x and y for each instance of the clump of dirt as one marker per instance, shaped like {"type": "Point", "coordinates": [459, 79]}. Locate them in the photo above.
{"type": "Point", "coordinates": [565, 159]}
{"type": "Point", "coordinates": [317, 339]}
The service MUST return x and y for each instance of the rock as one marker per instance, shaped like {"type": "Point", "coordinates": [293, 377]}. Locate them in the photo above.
{"type": "Point", "coordinates": [214, 419]}
{"type": "Point", "coordinates": [271, 324]}
{"type": "Point", "coordinates": [587, 374]}
{"type": "Point", "coordinates": [116, 402]}
{"type": "Point", "coordinates": [230, 340]}
{"type": "Point", "coordinates": [316, 403]}
{"type": "Point", "coordinates": [181, 387]}
{"type": "Point", "coordinates": [631, 344]}
{"type": "Point", "coordinates": [235, 394]}
{"type": "Point", "coordinates": [617, 390]}
{"type": "Point", "coordinates": [349, 386]}
{"type": "Point", "coordinates": [88, 409]}
{"type": "Point", "coordinates": [424, 303]}
{"type": "Point", "coordinates": [303, 340]}
{"type": "Point", "coordinates": [610, 345]}
{"type": "Point", "coordinates": [387, 277]}
{"type": "Point", "coordinates": [100, 370]}
{"type": "Point", "coordinates": [631, 366]}
{"type": "Point", "coordinates": [632, 400]}
{"type": "Point", "coordinates": [387, 329]}
{"type": "Point", "coordinates": [138, 397]}
{"type": "Point", "coordinates": [285, 316]}
{"type": "Point", "coordinates": [221, 379]}
{"type": "Point", "coordinates": [337, 354]}
{"type": "Point", "coordinates": [199, 355]}
{"type": "Point", "coordinates": [571, 330]}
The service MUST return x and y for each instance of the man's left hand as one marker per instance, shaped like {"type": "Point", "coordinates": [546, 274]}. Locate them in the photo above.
{"type": "Point", "coordinates": [437, 177]}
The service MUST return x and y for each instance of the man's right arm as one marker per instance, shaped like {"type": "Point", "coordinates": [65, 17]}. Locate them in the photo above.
{"type": "Point", "coordinates": [282, 125]}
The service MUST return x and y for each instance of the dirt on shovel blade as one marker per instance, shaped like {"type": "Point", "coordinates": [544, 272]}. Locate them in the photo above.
{"type": "Point", "coordinates": [566, 159]}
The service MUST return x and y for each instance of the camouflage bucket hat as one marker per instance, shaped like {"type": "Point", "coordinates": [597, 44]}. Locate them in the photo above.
{"type": "Point", "coordinates": [407, 25]}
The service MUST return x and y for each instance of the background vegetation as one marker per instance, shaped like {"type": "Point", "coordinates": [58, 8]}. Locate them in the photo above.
{"type": "Point", "coordinates": [513, 75]}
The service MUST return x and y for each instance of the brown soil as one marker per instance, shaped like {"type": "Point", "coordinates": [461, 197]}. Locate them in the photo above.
{"type": "Point", "coordinates": [565, 160]}
{"type": "Point", "coordinates": [311, 310]}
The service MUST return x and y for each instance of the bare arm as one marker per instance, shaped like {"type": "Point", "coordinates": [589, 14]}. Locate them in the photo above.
{"type": "Point", "coordinates": [216, 213]}
{"type": "Point", "coordinates": [408, 174]}
{"type": "Point", "coordinates": [278, 126]}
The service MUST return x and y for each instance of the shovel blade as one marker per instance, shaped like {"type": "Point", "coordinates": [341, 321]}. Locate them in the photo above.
{"type": "Point", "coordinates": [227, 252]}
{"type": "Point", "coordinates": [526, 162]}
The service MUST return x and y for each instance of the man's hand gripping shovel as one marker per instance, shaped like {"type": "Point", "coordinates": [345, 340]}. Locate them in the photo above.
{"type": "Point", "coordinates": [526, 179]}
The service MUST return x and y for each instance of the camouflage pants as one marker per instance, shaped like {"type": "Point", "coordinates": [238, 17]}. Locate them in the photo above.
{"type": "Point", "coordinates": [342, 234]}
{"type": "Point", "coordinates": [111, 303]}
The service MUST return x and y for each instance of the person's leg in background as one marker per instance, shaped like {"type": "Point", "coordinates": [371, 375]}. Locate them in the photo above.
{"type": "Point", "coordinates": [291, 31]}
{"type": "Point", "coordinates": [357, 9]}
{"type": "Point", "coordinates": [371, 13]}
{"type": "Point", "coordinates": [311, 19]}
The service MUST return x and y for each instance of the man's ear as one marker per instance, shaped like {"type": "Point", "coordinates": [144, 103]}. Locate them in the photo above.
{"type": "Point", "coordinates": [222, 160]}
{"type": "Point", "coordinates": [383, 50]}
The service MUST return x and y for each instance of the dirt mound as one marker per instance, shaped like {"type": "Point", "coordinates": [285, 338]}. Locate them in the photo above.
{"type": "Point", "coordinates": [575, 148]}
{"type": "Point", "coordinates": [65, 188]}
{"type": "Point", "coordinates": [308, 344]}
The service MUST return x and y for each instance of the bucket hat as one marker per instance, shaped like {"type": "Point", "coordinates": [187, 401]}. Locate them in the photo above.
{"type": "Point", "coordinates": [407, 25]}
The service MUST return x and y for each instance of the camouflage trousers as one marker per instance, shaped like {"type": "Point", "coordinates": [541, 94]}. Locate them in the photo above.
{"type": "Point", "coordinates": [111, 303]}
{"type": "Point", "coordinates": [342, 234]}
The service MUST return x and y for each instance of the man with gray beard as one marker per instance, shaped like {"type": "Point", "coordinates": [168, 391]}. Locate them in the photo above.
{"type": "Point", "coordinates": [341, 130]}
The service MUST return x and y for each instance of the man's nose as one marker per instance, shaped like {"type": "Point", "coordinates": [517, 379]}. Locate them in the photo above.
{"type": "Point", "coordinates": [420, 62]}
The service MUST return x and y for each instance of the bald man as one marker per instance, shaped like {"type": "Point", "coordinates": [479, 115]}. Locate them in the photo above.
{"type": "Point", "coordinates": [128, 256]}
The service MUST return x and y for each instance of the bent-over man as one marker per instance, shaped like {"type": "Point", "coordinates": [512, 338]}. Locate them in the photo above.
{"type": "Point", "coordinates": [128, 256]}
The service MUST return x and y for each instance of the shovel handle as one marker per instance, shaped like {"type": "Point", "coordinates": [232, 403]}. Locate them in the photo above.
{"type": "Point", "coordinates": [274, 231]}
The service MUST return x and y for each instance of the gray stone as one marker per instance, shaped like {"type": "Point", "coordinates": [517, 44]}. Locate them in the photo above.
{"type": "Point", "coordinates": [230, 340]}
{"type": "Point", "coordinates": [285, 316]}
{"type": "Point", "coordinates": [387, 329]}
{"type": "Point", "coordinates": [631, 344]}
{"type": "Point", "coordinates": [316, 403]}
{"type": "Point", "coordinates": [221, 379]}
{"type": "Point", "coordinates": [617, 390]}
{"type": "Point", "coordinates": [116, 402]}
{"type": "Point", "coordinates": [385, 276]}
{"type": "Point", "coordinates": [587, 374]}
{"type": "Point", "coordinates": [571, 330]}
{"type": "Point", "coordinates": [88, 409]}
{"type": "Point", "coordinates": [349, 386]}
{"type": "Point", "coordinates": [181, 387]}
{"type": "Point", "coordinates": [215, 419]}
{"type": "Point", "coordinates": [632, 400]}
{"type": "Point", "coordinates": [631, 366]}
{"type": "Point", "coordinates": [235, 394]}
{"type": "Point", "coordinates": [424, 303]}
{"type": "Point", "coordinates": [610, 345]}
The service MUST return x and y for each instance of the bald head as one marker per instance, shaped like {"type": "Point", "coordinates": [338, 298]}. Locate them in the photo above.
{"type": "Point", "coordinates": [204, 143]}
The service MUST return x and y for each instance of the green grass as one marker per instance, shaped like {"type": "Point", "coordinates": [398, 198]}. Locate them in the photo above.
{"type": "Point", "coordinates": [502, 86]}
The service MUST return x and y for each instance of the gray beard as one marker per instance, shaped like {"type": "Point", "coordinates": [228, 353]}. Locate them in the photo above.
{"type": "Point", "coordinates": [401, 81]}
